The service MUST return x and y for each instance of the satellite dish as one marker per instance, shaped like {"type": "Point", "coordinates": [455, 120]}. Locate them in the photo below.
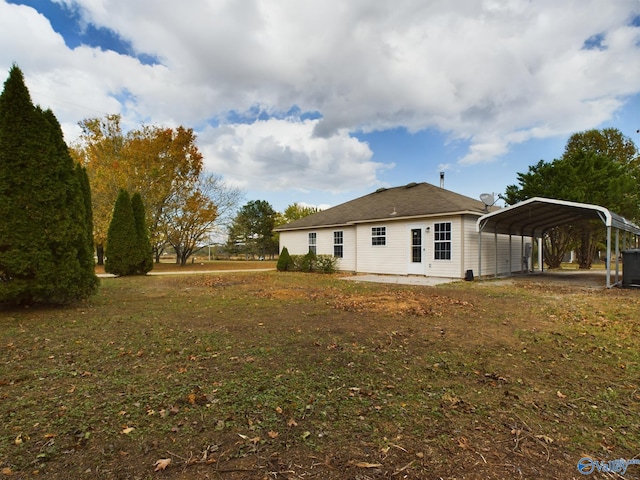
{"type": "Point", "coordinates": [488, 199]}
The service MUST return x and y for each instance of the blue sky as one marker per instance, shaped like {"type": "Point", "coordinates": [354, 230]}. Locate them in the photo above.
{"type": "Point", "coordinates": [323, 101]}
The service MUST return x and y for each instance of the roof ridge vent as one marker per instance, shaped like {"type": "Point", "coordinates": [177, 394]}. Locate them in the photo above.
{"type": "Point", "coordinates": [381, 189]}
{"type": "Point", "coordinates": [410, 185]}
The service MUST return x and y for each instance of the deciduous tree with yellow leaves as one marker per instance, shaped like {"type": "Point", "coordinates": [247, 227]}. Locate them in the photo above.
{"type": "Point", "coordinates": [165, 166]}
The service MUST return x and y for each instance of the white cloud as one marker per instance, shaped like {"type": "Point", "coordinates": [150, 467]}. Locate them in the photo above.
{"type": "Point", "coordinates": [492, 72]}
{"type": "Point", "coordinates": [283, 154]}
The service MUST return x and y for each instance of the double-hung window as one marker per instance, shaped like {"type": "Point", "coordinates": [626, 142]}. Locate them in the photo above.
{"type": "Point", "coordinates": [338, 244]}
{"type": "Point", "coordinates": [379, 236]}
{"type": "Point", "coordinates": [313, 242]}
{"type": "Point", "coordinates": [442, 241]}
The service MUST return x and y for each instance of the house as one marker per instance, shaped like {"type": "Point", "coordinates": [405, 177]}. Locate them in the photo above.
{"type": "Point", "coordinates": [415, 229]}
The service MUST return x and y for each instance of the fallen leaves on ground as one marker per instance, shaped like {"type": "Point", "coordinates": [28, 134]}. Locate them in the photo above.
{"type": "Point", "coordinates": [367, 465]}
{"type": "Point", "coordinates": [545, 438]}
{"type": "Point", "coordinates": [162, 464]}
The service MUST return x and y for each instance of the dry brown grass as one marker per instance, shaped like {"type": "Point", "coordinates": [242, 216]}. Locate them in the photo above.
{"type": "Point", "coordinates": [272, 375]}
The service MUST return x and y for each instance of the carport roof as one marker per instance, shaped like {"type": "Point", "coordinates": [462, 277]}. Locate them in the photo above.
{"type": "Point", "coordinates": [533, 216]}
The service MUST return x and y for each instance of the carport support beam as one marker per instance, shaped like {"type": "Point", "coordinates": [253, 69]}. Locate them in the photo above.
{"type": "Point", "coordinates": [495, 240]}
{"type": "Point", "coordinates": [617, 282]}
{"type": "Point", "coordinates": [540, 255]}
{"type": "Point", "coordinates": [521, 254]}
{"type": "Point", "coordinates": [510, 257]}
{"type": "Point", "coordinates": [480, 253]}
{"type": "Point", "coordinates": [608, 262]}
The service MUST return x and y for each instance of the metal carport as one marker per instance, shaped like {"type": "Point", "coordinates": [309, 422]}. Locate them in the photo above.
{"type": "Point", "coordinates": [533, 217]}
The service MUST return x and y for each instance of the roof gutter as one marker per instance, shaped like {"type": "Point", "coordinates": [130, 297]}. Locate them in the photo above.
{"type": "Point", "coordinates": [285, 229]}
{"type": "Point", "coordinates": [378, 220]}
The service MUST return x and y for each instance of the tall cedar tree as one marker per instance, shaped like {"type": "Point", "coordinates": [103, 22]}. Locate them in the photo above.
{"type": "Point", "coordinates": [83, 178]}
{"type": "Point", "coordinates": [145, 262]}
{"type": "Point", "coordinates": [44, 255]}
{"type": "Point", "coordinates": [122, 247]}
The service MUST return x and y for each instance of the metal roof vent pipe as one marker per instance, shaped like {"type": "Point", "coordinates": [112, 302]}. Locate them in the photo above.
{"type": "Point", "coordinates": [441, 179]}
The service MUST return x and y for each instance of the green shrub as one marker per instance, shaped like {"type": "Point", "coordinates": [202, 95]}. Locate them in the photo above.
{"type": "Point", "coordinates": [144, 263]}
{"type": "Point", "coordinates": [326, 264]}
{"type": "Point", "coordinates": [121, 249]}
{"type": "Point", "coordinates": [285, 263]}
{"type": "Point", "coordinates": [308, 262]}
{"type": "Point", "coordinates": [313, 263]}
{"type": "Point", "coordinates": [296, 263]}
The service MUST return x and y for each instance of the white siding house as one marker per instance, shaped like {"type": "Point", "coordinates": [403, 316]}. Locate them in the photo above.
{"type": "Point", "coordinates": [416, 229]}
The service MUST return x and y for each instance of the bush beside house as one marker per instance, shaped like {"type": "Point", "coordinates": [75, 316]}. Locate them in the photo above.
{"type": "Point", "coordinates": [309, 262]}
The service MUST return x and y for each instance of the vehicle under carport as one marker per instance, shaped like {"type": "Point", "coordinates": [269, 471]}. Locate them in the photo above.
{"type": "Point", "coordinates": [535, 216]}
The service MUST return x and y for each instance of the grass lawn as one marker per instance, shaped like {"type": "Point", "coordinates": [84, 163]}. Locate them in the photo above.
{"type": "Point", "coordinates": [204, 265]}
{"type": "Point", "coordinates": [268, 375]}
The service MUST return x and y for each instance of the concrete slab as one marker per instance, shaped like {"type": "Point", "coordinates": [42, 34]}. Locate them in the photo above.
{"type": "Point", "coordinates": [402, 279]}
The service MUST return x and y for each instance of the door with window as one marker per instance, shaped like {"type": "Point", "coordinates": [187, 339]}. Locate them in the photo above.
{"type": "Point", "coordinates": [417, 250]}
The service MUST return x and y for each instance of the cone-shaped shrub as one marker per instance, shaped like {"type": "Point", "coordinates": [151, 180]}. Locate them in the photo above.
{"type": "Point", "coordinates": [284, 261]}
{"type": "Point", "coordinates": [44, 224]}
{"type": "Point", "coordinates": [145, 253]}
{"type": "Point", "coordinates": [121, 250]}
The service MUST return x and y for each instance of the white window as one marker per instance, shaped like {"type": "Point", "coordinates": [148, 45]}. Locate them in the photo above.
{"type": "Point", "coordinates": [338, 244]}
{"type": "Point", "coordinates": [312, 242]}
{"type": "Point", "coordinates": [379, 236]}
{"type": "Point", "coordinates": [442, 241]}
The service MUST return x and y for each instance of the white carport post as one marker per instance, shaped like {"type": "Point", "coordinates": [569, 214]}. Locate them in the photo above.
{"type": "Point", "coordinates": [510, 257]}
{"type": "Point", "coordinates": [608, 263]}
{"type": "Point", "coordinates": [521, 254]}
{"type": "Point", "coordinates": [540, 255]}
{"type": "Point", "coordinates": [495, 240]}
{"type": "Point", "coordinates": [617, 255]}
{"type": "Point", "coordinates": [480, 251]}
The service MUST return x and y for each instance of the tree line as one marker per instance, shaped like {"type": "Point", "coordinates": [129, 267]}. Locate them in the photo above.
{"type": "Point", "coordinates": [599, 167]}
{"type": "Point", "coordinates": [129, 196]}
{"type": "Point", "coordinates": [251, 231]}
{"type": "Point", "coordinates": [125, 197]}
{"type": "Point", "coordinates": [183, 203]}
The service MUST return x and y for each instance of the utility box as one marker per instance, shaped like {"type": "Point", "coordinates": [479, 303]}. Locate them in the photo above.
{"type": "Point", "coordinates": [631, 268]}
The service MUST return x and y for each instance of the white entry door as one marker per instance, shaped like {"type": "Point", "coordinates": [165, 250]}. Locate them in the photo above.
{"type": "Point", "coordinates": [416, 250]}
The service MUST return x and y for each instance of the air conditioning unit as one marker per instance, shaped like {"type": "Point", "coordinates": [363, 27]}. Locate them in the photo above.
{"type": "Point", "coordinates": [631, 268]}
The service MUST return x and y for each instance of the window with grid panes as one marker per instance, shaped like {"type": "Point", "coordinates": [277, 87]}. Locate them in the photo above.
{"type": "Point", "coordinates": [312, 242]}
{"type": "Point", "coordinates": [378, 235]}
{"type": "Point", "coordinates": [338, 244]}
{"type": "Point", "coordinates": [442, 241]}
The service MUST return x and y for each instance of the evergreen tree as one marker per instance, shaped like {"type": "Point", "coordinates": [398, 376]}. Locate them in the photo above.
{"type": "Point", "coordinates": [83, 178]}
{"type": "Point", "coordinates": [122, 248]}
{"type": "Point", "coordinates": [285, 263]}
{"type": "Point", "coordinates": [145, 252]}
{"type": "Point", "coordinates": [252, 229]}
{"type": "Point", "coordinates": [43, 219]}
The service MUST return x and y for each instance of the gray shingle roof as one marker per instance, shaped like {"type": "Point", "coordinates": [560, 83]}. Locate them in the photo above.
{"type": "Point", "coordinates": [412, 200]}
